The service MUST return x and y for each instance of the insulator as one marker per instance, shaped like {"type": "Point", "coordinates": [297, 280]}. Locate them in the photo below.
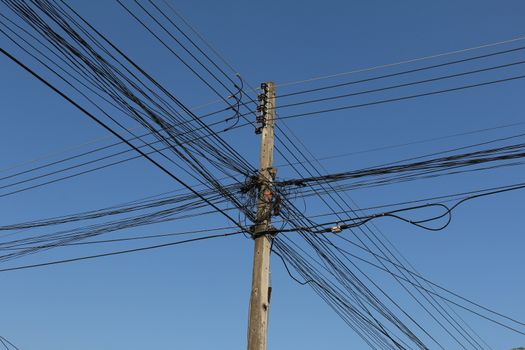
{"type": "Point", "coordinates": [261, 108]}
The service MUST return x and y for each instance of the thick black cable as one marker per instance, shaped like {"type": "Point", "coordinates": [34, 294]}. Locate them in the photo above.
{"type": "Point", "coordinates": [402, 72]}
{"type": "Point", "coordinates": [99, 122]}
{"type": "Point", "coordinates": [120, 252]}
{"type": "Point", "coordinates": [396, 86]}
{"type": "Point", "coordinates": [403, 98]}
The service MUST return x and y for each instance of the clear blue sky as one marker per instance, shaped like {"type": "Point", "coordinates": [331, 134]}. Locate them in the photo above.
{"type": "Point", "coordinates": [195, 296]}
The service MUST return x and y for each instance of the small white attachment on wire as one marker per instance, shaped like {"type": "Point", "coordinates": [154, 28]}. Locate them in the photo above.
{"type": "Point", "coordinates": [336, 229]}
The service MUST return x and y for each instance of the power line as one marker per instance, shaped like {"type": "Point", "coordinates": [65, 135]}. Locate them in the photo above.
{"type": "Point", "coordinates": [99, 122]}
{"type": "Point", "coordinates": [396, 86]}
{"type": "Point", "coordinates": [384, 76]}
{"type": "Point", "coordinates": [352, 297]}
{"type": "Point", "coordinates": [82, 145]}
{"type": "Point", "coordinates": [438, 295]}
{"type": "Point", "coordinates": [403, 98]}
{"type": "Point", "coordinates": [120, 252]}
{"type": "Point", "coordinates": [508, 41]}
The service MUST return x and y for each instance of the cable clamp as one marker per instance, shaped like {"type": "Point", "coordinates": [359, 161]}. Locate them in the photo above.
{"type": "Point", "coordinates": [271, 231]}
{"type": "Point", "coordinates": [336, 229]}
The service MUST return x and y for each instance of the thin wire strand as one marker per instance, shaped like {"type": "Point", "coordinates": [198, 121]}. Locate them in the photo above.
{"type": "Point", "coordinates": [400, 62]}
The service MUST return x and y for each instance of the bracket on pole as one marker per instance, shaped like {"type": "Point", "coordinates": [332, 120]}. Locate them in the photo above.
{"type": "Point", "coordinates": [262, 108]}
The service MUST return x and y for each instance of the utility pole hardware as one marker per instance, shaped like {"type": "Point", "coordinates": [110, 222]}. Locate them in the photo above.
{"type": "Point", "coordinates": [260, 294]}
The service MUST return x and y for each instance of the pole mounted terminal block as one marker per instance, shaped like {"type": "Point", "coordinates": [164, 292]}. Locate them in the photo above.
{"type": "Point", "coordinates": [262, 108]}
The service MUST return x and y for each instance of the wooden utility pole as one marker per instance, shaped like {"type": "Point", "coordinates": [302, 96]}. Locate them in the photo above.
{"type": "Point", "coordinates": [260, 295]}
